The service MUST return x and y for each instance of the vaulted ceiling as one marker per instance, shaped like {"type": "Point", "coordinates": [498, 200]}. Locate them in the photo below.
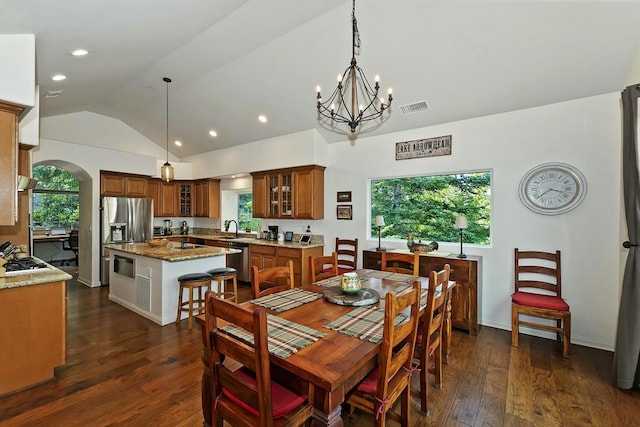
{"type": "Point", "coordinates": [231, 60]}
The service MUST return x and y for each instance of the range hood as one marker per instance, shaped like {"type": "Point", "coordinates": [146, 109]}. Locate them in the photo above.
{"type": "Point", "coordinates": [26, 183]}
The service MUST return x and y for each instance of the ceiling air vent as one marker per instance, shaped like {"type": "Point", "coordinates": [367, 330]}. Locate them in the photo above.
{"type": "Point", "coordinates": [53, 94]}
{"type": "Point", "coordinates": [414, 107]}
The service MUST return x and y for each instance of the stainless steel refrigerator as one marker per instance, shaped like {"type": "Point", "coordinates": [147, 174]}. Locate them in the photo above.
{"type": "Point", "coordinates": [123, 219]}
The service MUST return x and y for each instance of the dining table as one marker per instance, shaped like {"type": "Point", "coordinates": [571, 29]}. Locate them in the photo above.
{"type": "Point", "coordinates": [332, 365]}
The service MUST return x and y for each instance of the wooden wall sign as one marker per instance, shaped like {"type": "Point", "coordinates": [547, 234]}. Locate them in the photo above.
{"type": "Point", "coordinates": [428, 147]}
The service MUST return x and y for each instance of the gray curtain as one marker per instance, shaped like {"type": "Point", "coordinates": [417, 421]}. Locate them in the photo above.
{"type": "Point", "coordinates": [627, 352]}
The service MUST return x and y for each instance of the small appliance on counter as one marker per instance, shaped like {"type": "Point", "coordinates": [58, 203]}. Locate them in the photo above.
{"type": "Point", "coordinates": [184, 228]}
{"type": "Point", "coordinates": [272, 234]}
{"type": "Point", "coordinates": [167, 227]}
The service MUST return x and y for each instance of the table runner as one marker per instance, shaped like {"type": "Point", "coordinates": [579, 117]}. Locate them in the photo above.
{"type": "Point", "coordinates": [284, 336]}
{"type": "Point", "coordinates": [365, 323]}
{"type": "Point", "coordinates": [398, 277]}
{"type": "Point", "coordinates": [286, 300]}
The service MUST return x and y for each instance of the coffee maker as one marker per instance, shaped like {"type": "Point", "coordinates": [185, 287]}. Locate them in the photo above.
{"type": "Point", "coordinates": [273, 232]}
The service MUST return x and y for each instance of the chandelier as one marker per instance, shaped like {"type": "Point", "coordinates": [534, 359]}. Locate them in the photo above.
{"type": "Point", "coordinates": [166, 171]}
{"type": "Point", "coordinates": [354, 100]}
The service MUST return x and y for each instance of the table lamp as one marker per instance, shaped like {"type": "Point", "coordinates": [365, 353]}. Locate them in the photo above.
{"type": "Point", "coordinates": [379, 222]}
{"type": "Point", "coordinates": [461, 224]}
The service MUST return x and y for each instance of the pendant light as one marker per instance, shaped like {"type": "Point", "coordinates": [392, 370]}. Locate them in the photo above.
{"type": "Point", "coordinates": [166, 171]}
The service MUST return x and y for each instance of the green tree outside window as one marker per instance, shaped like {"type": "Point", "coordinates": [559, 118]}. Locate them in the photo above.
{"type": "Point", "coordinates": [427, 206]}
{"type": "Point", "coordinates": [55, 198]}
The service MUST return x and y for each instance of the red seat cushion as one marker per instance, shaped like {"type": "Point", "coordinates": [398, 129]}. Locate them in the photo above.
{"type": "Point", "coordinates": [342, 270]}
{"type": "Point", "coordinates": [370, 383]}
{"type": "Point", "coordinates": [283, 400]}
{"type": "Point", "coordinates": [548, 302]}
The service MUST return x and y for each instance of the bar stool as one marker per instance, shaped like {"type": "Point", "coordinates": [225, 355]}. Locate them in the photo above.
{"type": "Point", "coordinates": [221, 275]}
{"type": "Point", "coordinates": [191, 282]}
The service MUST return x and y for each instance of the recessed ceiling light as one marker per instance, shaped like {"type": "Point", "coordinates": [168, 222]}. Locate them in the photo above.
{"type": "Point", "coordinates": [58, 77]}
{"type": "Point", "coordinates": [79, 52]}
{"type": "Point", "coordinates": [262, 119]}
{"type": "Point", "coordinates": [213, 133]}
{"type": "Point", "coordinates": [178, 143]}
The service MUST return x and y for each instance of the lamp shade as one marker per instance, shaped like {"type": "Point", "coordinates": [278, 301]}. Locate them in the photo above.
{"type": "Point", "coordinates": [379, 221]}
{"type": "Point", "coordinates": [461, 222]}
{"type": "Point", "coordinates": [166, 172]}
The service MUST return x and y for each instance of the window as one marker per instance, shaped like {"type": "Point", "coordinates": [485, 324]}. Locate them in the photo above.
{"type": "Point", "coordinates": [245, 213]}
{"type": "Point", "coordinates": [55, 198]}
{"type": "Point", "coordinates": [427, 206]}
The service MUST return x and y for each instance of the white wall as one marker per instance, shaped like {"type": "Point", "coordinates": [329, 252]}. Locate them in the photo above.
{"type": "Point", "coordinates": [585, 133]}
{"type": "Point", "coordinates": [18, 68]}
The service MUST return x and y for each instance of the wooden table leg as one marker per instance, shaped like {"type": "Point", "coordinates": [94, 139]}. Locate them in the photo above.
{"type": "Point", "coordinates": [327, 408]}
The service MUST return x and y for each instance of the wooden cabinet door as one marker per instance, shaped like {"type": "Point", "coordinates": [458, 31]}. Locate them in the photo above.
{"type": "Point", "coordinates": [135, 186]}
{"type": "Point", "coordinates": [112, 185]}
{"type": "Point", "coordinates": [201, 201]}
{"type": "Point", "coordinates": [169, 199]}
{"type": "Point", "coordinates": [259, 196]}
{"type": "Point", "coordinates": [8, 163]}
{"type": "Point", "coordinates": [154, 192]}
{"type": "Point", "coordinates": [213, 188]}
{"type": "Point", "coordinates": [308, 197]}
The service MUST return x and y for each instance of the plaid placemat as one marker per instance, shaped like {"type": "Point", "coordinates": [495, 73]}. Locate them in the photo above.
{"type": "Point", "coordinates": [286, 300]}
{"type": "Point", "coordinates": [363, 322]}
{"type": "Point", "coordinates": [331, 281]}
{"type": "Point", "coordinates": [285, 337]}
{"type": "Point", "coordinates": [423, 294]}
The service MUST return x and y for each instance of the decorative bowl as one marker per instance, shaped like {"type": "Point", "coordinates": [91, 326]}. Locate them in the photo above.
{"type": "Point", "coordinates": [158, 242]}
{"type": "Point", "coordinates": [350, 283]}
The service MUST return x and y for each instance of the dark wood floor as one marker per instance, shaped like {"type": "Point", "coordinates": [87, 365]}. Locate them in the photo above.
{"type": "Point", "coordinates": [125, 370]}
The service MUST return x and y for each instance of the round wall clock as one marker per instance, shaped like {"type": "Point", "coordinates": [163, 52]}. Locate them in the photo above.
{"type": "Point", "coordinates": [552, 188]}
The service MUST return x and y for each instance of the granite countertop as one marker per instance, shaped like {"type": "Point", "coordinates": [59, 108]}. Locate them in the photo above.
{"type": "Point", "coordinates": [251, 241]}
{"type": "Point", "coordinates": [172, 251]}
{"type": "Point", "coordinates": [38, 278]}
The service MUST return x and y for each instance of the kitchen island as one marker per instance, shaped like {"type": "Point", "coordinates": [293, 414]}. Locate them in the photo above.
{"type": "Point", "coordinates": [144, 278]}
{"type": "Point", "coordinates": [33, 327]}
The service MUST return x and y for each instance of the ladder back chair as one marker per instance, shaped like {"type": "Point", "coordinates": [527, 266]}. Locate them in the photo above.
{"type": "Point", "coordinates": [399, 262]}
{"type": "Point", "coordinates": [377, 393]}
{"type": "Point", "coordinates": [538, 293]}
{"type": "Point", "coordinates": [429, 341]}
{"type": "Point", "coordinates": [246, 396]}
{"type": "Point", "coordinates": [270, 280]}
{"type": "Point", "coordinates": [323, 267]}
{"type": "Point", "coordinates": [347, 251]}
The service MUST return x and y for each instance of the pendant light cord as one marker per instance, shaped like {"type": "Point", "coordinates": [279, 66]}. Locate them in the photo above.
{"type": "Point", "coordinates": [167, 80]}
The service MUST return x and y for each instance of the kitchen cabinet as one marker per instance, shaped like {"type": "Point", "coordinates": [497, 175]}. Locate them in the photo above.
{"type": "Point", "coordinates": [292, 193]}
{"type": "Point", "coordinates": [122, 185]}
{"type": "Point", "coordinates": [9, 162]}
{"type": "Point", "coordinates": [164, 197]}
{"type": "Point", "coordinates": [185, 198]}
{"type": "Point", "coordinates": [262, 256]}
{"type": "Point", "coordinates": [207, 198]}
{"type": "Point", "coordinates": [19, 232]}
{"type": "Point", "coordinates": [168, 199]}
{"type": "Point", "coordinates": [466, 272]}
{"type": "Point", "coordinates": [300, 258]}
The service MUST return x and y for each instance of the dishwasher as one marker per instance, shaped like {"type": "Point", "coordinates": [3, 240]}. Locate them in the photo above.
{"type": "Point", "coordinates": [240, 261]}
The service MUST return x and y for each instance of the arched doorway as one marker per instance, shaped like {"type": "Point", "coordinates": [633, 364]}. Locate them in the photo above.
{"type": "Point", "coordinates": [65, 184]}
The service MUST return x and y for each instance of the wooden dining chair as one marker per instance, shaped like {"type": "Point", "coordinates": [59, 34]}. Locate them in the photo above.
{"type": "Point", "coordinates": [323, 267]}
{"type": "Point", "coordinates": [246, 396]}
{"type": "Point", "coordinates": [399, 262]}
{"type": "Point", "coordinates": [347, 251]}
{"type": "Point", "coordinates": [538, 293]}
{"type": "Point", "coordinates": [270, 280]}
{"type": "Point", "coordinates": [429, 341]}
{"type": "Point", "coordinates": [377, 393]}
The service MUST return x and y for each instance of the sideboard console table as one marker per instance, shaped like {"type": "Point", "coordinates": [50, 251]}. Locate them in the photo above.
{"type": "Point", "coordinates": [464, 271]}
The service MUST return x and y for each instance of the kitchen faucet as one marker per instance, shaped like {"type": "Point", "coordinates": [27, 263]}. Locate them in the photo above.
{"type": "Point", "coordinates": [229, 223]}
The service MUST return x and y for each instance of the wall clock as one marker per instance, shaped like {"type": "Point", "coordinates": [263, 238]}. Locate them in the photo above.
{"type": "Point", "coordinates": [552, 188]}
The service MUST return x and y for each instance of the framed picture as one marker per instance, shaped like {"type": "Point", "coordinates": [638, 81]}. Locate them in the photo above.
{"type": "Point", "coordinates": [344, 196]}
{"type": "Point", "coordinates": [344, 212]}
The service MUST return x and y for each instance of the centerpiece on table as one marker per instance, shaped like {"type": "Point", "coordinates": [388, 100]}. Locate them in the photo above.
{"type": "Point", "coordinates": [350, 283]}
